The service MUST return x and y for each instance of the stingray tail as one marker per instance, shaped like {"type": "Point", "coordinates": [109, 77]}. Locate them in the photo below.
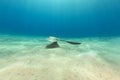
{"type": "Point", "coordinates": [71, 42]}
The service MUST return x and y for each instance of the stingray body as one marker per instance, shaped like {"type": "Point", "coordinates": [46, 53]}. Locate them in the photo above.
{"type": "Point", "coordinates": [55, 44]}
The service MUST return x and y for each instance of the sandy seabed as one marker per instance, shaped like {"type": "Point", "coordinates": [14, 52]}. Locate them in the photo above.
{"type": "Point", "coordinates": [23, 58]}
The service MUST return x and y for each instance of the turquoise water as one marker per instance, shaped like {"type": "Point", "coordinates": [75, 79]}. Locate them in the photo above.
{"type": "Point", "coordinates": [64, 18]}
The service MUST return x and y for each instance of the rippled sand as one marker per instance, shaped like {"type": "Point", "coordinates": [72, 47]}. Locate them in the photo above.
{"type": "Point", "coordinates": [27, 59]}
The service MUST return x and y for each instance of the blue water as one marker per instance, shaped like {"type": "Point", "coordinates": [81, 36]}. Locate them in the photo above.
{"type": "Point", "coordinates": [68, 18]}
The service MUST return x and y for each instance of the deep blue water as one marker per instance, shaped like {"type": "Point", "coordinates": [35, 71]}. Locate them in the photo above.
{"type": "Point", "coordinates": [70, 18]}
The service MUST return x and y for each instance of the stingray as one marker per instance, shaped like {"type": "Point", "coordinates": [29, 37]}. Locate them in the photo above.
{"type": "Point", "coordinates": [55, 44]}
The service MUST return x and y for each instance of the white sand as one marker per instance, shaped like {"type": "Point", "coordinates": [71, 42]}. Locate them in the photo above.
{"type": "Point", "coordinates": [27, 59]}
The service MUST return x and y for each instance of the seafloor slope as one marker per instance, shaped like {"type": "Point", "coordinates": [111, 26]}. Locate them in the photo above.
{"type": "Point", "coordinates": [23, 58]}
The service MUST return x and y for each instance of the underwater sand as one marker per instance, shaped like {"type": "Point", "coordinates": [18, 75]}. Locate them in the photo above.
{"type": "Point", "coordinates": [25, 58]}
